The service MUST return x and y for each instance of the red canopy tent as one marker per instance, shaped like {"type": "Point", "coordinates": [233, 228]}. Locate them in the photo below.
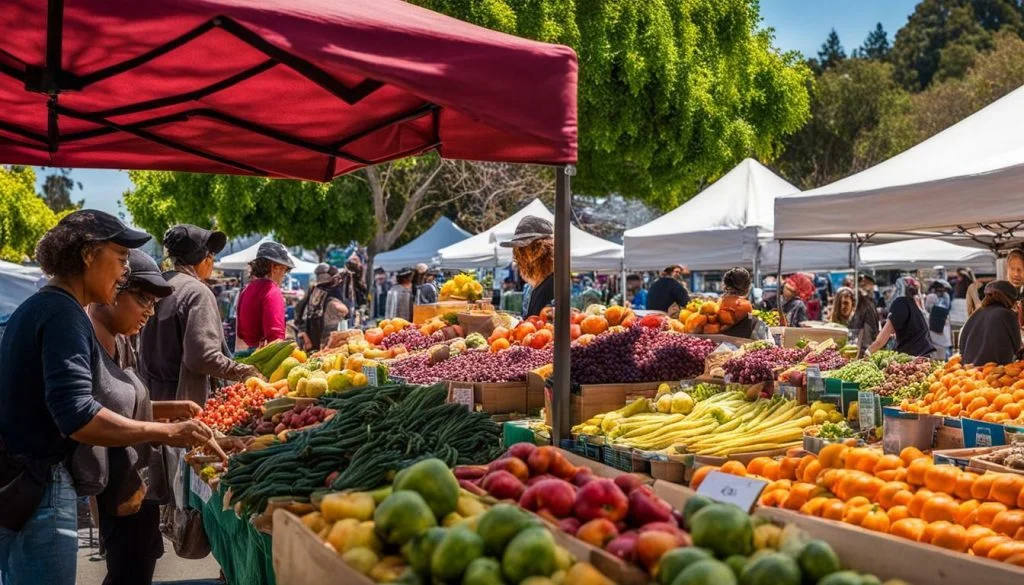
{"type": "Point", "coordinates": [307, 89]}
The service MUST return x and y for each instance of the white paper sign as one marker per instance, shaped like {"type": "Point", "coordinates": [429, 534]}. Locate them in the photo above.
{"type": "Point", "coordinates": [866, 409]}
{"type": "Point", "coordinates": [200, 488]}
{"type": "Point", "coordinates": [732, 489]}
{"type": "Point", "coordinates": [371, 375]}
{"type": "Point", "coordinates": [459, 393]}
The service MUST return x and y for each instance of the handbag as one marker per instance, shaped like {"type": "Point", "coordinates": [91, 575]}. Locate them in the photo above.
{"type": "Point", "coordinates": [23, 484]}
{"type": "Point", "coordinates": [182, 525]}
{"type": "Point", "coordinates": [937, 319]}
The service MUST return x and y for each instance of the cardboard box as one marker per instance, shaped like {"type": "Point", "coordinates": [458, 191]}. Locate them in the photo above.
{"type": "Point", "coordinates": [791, 336]}
{"type": "Point", "coordinates": [594, 399]}
{"type": "Point", "coordinates": [534, 392]}
{"type": "Point", "coordinates": [949, 435]}
{"type": "Point", "coordinates": [960, 457]}
{"type": "Point", "coordinates": [885, 556]}
{"type": "Point", "coordinates": [496, 398]}
{"type": "Point", "coordinates": [423, 313]}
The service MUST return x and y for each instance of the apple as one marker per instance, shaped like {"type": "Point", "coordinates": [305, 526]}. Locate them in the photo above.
{"type": "Point", "coordinates": [645, 508]}
{"type": "Point", "coordinates": [583, 476]}
{"type": "Point", "coordinates": [569, 525]}
{"type": "Point", "coordinates": [539, 478]}
{"type": "Point", "coordinates": [521, 451]}
{"type": "Point", "coordinates": [624, 546]}
{"type": "Point", "coordinates": [554, 495]}
{"type": "Point", "coordinates": [542, 459]}
{"type": "Point", "coordinates": [601, 498]}
{"type": "Point", "coordinates": [669, 527]}
{"type": "Point", "coordinates": [651, 545]}
{"type": "Point", "coordinates": [469, 471]}
{"type": "Point", "coordinates": [598, 532]}
{"type": "Point", "coordinates": [562, 468]}
{"type": "Point", "coordinates": [503, 485]}
{"type": "Point", "coordinates": [628, 482]}
{"type": "Point", "coordinates": [512, 465]}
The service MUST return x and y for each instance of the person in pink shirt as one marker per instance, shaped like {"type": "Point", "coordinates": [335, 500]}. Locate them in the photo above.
{"type": "Point", "coordinates": [261, 305]}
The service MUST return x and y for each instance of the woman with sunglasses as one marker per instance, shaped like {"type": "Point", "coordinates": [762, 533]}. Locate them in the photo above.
{"type": "Point", "coordinates": [51, 367]}
{"type": "Point", "coordinates": [134, 483]}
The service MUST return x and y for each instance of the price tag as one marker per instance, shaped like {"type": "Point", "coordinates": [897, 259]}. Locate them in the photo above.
{"type": "Point", "coordinates": [371, 375]}
{"type": "Point", "coordinates": [983, 437]}
{"type": "Point", "coordinates": [200, 488]}
{"type": "Point", "coordinates": [400, 380]}
{"type": "Point", "coordinates": [866, 413]}
{"type": "Point", "coordinates": [732, 489]}
{"type": "Point", "coordinates": [815, 383]}
{"type": "Point", "coordinates": [787, 391]}
{"type": "Point", "coordinates": [461, 393]}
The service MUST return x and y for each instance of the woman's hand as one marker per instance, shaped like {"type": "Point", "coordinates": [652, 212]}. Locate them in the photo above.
{"type": "Point", "coordinates": [307, 343]}
{"type": "Point", "coordinates": [189, 433]}
{"type": "Point", "coordinates": [249, 371]}
{"type": "Point", "coordinates": [168, 410]}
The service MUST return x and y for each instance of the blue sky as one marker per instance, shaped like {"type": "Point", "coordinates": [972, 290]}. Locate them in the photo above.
{"type": "Point", "coordinates": [800, 25]}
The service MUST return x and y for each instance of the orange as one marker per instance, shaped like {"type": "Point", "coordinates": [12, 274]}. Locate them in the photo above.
{"type": "Point", "coordinates": [887, 463]}
{"type": "Point", "coordinates": [933, 529]}
{"type": "Point", "coordinates": [899, 474]}
{"type": "Point", "coordinates": [1015, 559]}
{"type": "Point", "coordinates": [963, 512]}
{"type": "Point", "coordinates": [833, 456]}
{"type": "Point", "coordinates": [963, 485]}
{"type": "Point", "coordinates": [779, 484]}
{"type": "Point", "coordinates": [829, 478]}
{"type": "Point", "coordinates": [917, 504]}
{"type": "Point", "coordinates": [833, 509]}
{"type": "Point", "coordinates": [902, 498]}
{"type": "Point", "coordinates": [801, 494]}
{"type": "Point", "coordinates": [898, 513]}
{"type": "Point", "coordinates": [951, 537]}
{"type": "Point", "coordinates": [976, 532]}
{"type": "Point", "coordinates": [857, 501]}
{"type": "Point", "coordinates": [982, 487]}
{"type": "Point", "coordinates": [699, 474]}
{"type": "Point", "coordinates": [985, 544]}
{"type": "Point", "coordinates": [756, 465]}
{"type": "Point", "coordinates": [802, 465]}
{"type": "Point", "coordinates": [909, 528]}
{"type": "Point", "coordinates": [887, 492]}
{"type": "Point", "coordinates": [1006, 488]}
{"type": "Point", "coordinates": [939, 507]}
{"type": "Point", "coordinates": [814, 506]}
{"type": "Point", "coordinates": [876, 519]}
{"type": "Point", "coordinates": [987, 513]}
{"type": "Point", "coordinates": [774, 498]}
{"type": "Point", "coordinates": [1008, 522]}
{"type": "Point", "coordinates": [942, 478]}
{"type": "Point", "coordinates": [1012, 410]}
{"type": "Point", "coordinates": [859, 484]}
{"type": "Point", "coordinates": [787, 467]}
{"type": "Point", "coordinates": [863, 459]}
{"type": "Point", "coordinates": [916, 471]}
{"type": "Point", "coordinates": [1005, 550]}
{"type": "Point", "coordinates": [856, 515]}
{"type": "Point", "coordinates": [734, 468]}
{"type": "Point", "coordinates": [770, 471]}
{"type": "Point", "coordinates": [811, 471]}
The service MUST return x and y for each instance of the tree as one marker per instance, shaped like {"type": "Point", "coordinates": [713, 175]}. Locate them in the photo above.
{"type": "Point", "coordinates": [24, 217]}
{"type": "Point", "coordinates": [876, 45]}
{"type": "Point", "coordinates": [57, 187]}
{"type": "Point", "coordinates": [298, 213]}
{"type": "Point", "coordinates": [831, 52]}
{"type": "Point", "coordinates": [943, 37]}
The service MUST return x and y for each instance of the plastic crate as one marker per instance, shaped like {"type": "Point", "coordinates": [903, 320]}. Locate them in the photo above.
{"type": "Point", "coordinates": [619, 458]}
{"type": "Point", "coordinates": [583, 449]}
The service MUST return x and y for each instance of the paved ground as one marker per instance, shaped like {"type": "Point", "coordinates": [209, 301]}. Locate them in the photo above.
{"type": "Point", "coordinates": [169, 569]}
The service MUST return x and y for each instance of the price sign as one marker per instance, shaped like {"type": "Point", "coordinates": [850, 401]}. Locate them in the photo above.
{"type": "Point", "coordinates": [200, 488]}
{"type": "Point", "coordinates": [732, 489]}
{"type": "Point", "coordinates": [461, 393]}
{"type": "Point", "coordinates": [371, 375]}
{"type": "Point", "coordinates": [866, 405]}
{"type": "Point", "coordinates": [983, 437]}
{"type": "Point", "coordinates": [397, 380]}
{"type": "Point", "coordinates": [815, 383]}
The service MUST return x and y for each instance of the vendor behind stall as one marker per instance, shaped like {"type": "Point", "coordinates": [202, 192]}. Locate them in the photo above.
{"type": "Point", "coordinates": [992, 334]}
{"type": "Point", "coordinates": [668, 291]}
{"type": "Point", "coordinates": [737, 284]}
{"type": "Point", "coordinates": [907, 322]}
{"type": "Point", "coordinates": [842, 307]}
{"type": "Point", "coordinates": [796, 291]}
{"type": "Point", "coordinates": [533, 248]}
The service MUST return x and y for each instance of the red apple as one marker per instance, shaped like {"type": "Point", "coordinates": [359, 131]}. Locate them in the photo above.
{"type": "Point", "coordinates": [583, 476]}
{"type": "Point", "coordinates": [562, 468]}
{"type": "Point", "coordinates": [521, 451]}
{"type": "Point", "coordinates": [628, 482]}
{"type": "Point", "coordinates": [597, 532]}
{"type": "Point", "coordinates": [651, 545]}
{"type": "Point", "coordinates": [539, 478]}
{"type": "Point", "coordinates": [470, 471]}
{"type": "Point", "coordinates": [553, 495]}
{"type": "Point", "coordinates": [654, 321]}
{"type": "Point", "coordinates": [646, 508]}
{"type": "Point", "coordinates": [512, 465]}
{"type": "Point", "coordinates": [669, 527]}
{"type": "Point", "coordinates": [472, 488]}
{"type": "Point", "coordinates": [624, 546]}
{"type": "Point", "coordinates": [503, 485]}
{"type": "Point", "coordinates": [569, 525]}
{"type": "Point", "coordinates": [601, 498]}
{"type": "Point", "coordinates": [541, 460]}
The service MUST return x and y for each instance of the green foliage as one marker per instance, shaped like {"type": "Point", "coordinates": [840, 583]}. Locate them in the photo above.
{"type": "Point", "coordinates": [671, 93]}
{"type": "Point", "coordinates": [299, 213]}
{"type": "Point", "coordinates": [831, 52]}
{"type": "Point", "coordinates": [57, 188]}
{"type": "Point", "coordinates": [876, 45]}
{"type": "Point", "coordinates": [24, 217]}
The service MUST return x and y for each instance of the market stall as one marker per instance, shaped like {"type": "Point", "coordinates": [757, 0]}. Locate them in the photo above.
{"type": "Point", "coordinates": [727, 224]}
{"type": "Point", "coordinates": [926, 253]}
{"type": "Point", "coordinates": [240, 260]}
{"type": "Point", "coordinates": [483, 250]}
{"type": "Point", "coordinates": [424, 248]}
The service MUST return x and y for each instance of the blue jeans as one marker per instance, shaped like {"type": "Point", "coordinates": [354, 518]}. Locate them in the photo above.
{"type": "Point", "coordinates": [45, 551]}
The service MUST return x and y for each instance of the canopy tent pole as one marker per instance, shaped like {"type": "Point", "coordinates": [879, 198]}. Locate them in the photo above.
{"type": "Point", "coordinates": [560, 409]}
{"type": "Point", "coordinates": [622, 290]}
{"type": "Point", "coordinates": [855, 250]}
{"type": "Point", "coordinates": [778, 285]}
{"type": "Point", "coordinates": [757, 266]}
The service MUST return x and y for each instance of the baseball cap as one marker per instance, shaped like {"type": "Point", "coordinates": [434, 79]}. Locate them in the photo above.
{"type": "Point", "coordinates": [276, 253]}
{"type": "Point", "coordinates": [530, 229]}
{"type": "Point", "coordinates": [104, 227]}
{"type": "Point", "coordinates": [324, 273]}
{"type": "Point", "coordinates": [1003, 286]}
{"type": "Point", "coordinates": [146, 274]}
{"type": "Point", "coordinates": [192, 243]}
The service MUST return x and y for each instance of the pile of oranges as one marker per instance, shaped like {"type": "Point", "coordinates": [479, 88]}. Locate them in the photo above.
{"type": "Point", "coordinates": [906, 495]}
{"type": "Point", "coordinates": [988, 393]}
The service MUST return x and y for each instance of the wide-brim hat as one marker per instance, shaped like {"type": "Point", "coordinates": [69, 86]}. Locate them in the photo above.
{"type": "Point", "coordinates": [276, 253]}
{"type": "Point", "coordinates": [530, 229]}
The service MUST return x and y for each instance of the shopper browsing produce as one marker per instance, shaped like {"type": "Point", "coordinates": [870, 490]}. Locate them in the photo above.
{"type": "Point", "coordinates": [533, 248]}
{"type": "Point", "coordinates": [321, 310]}
{"type": "Point", "coordinates": [668, 291]}
{"type": "Point", "coordinates": [1015, 274]}
{"type": "Point", "coordinates": [737, 285]}
{"type": "Point", "coordinates": [843, 306]}
{"type": "Point", "coordinates": [865, 316]}
{"type": "Point", "coordinates": [182, 346]}
{"type": "Point", "coordinates": [938, 304]}
{"type": "Point", "coordinates": [51, 365]}
{"type": "Point", "coordinates": [907, 322]}
{"type": "Point", "coordinates": [796, 290]}
{"type": "Point", "coordinates": [261, 304]}
{"type": "Point", "coordinates": [400, 297]}
{"type": "Point", "coordinates": [991, 334]}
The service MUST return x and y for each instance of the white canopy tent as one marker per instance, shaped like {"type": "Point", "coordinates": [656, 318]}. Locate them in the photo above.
{"type": "Point", "coordinates": [240, 260]}
{"type": "Point", "coordinates": [588, 252]}
{"type": "Point", "coordinates": [17, 283]}
{"type": "Point", "coordinates": [964, 184]}
{"type": "Point", "coordinates": [727, 224]}
{"type": "Point", "coordinates": [926, 253]}
{"type": "Point", "coordinates": [424, 248]}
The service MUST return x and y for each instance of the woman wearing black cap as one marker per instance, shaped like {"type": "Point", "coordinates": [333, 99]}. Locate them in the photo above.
{"type": "Point", "coordinates": [183, 345]}
{"type": "Point", "coordinates": [533, 248]}
{"type": "Point", "coordinates": [51, 366]}
{"type": "Point", "coordinates": [261, 304]}
{"type": "Point", "coordinates": [130, 482]}
{"type": "Point", "coordinates": [991, 334]}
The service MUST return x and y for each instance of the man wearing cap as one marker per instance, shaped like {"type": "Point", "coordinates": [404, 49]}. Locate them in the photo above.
{"type": "Point", "coordinates": [182, 347]}
{"type": "Point", "coordinates": [992, 334]}
{"type": "Point", "coordinates": [261, 311]}
{"type": "Point", "coordinates": [533, 249]}
{"type": "Point", "coordinates": [51, 369]}
{"type": "Point", "coordinates": [400, 297]}
{"type": "Point", "coordinates": [427, 291]}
